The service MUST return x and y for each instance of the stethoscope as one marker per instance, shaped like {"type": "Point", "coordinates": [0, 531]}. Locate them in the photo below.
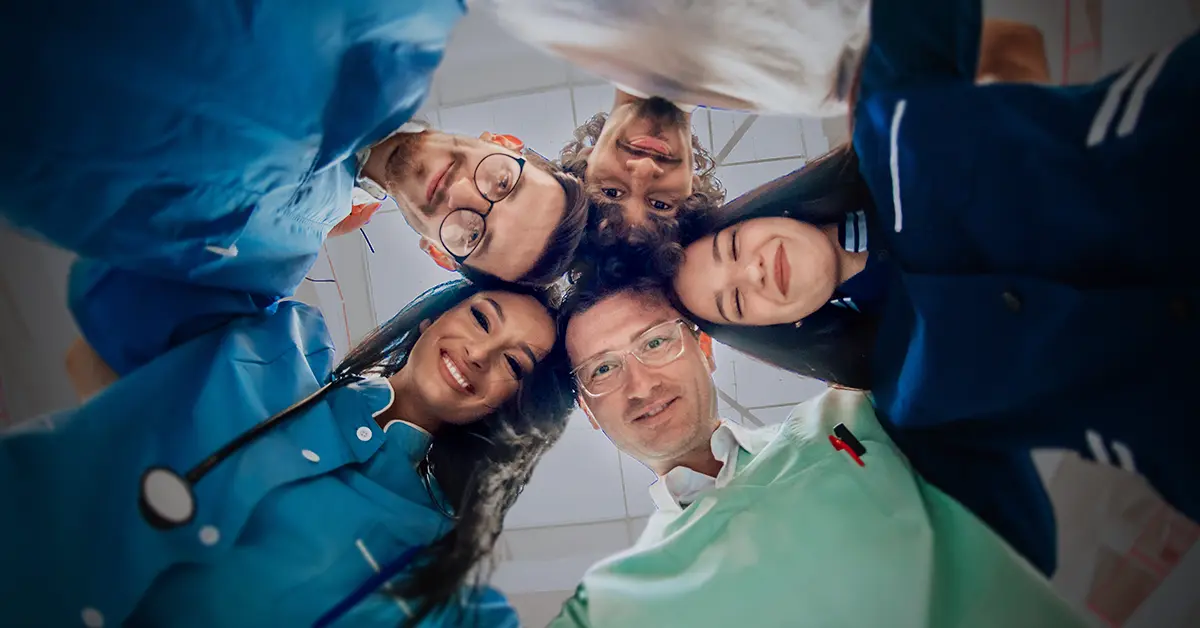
{"type": "Point", "coordinates": [167, 499]}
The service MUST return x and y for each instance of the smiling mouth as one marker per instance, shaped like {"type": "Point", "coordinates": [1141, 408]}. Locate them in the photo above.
{"type": "Point", "coordinates": [654, 411]}
{"type": "Point", "coordinates": [782, 270]}
{"type": "Point", "coordinates": [455, 377]}
{"type": "Point", "coordinates": [652, 145]}
{"type": "Point", "coordinates": [436, 183]}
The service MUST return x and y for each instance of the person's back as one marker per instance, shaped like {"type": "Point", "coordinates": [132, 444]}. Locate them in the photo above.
{"type": "Point", "coordinates": [820, 520]}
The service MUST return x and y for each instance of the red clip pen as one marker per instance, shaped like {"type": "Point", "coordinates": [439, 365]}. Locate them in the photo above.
{"type": "Point", "coordinates": [841, 445]}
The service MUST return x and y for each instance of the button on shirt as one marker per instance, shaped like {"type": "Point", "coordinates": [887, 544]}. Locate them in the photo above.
{"type": "Point", "coordinates": [681, 486]}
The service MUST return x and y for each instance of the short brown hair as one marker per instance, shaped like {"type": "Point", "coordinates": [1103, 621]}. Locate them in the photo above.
{"type": "Point", "coordinates": [566, 237]}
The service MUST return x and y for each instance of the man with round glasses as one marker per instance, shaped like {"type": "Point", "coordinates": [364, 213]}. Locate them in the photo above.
{"type": "Point", "coordinates": [484, 203]}
{"type": "Point", "coordinates": [820, 518]}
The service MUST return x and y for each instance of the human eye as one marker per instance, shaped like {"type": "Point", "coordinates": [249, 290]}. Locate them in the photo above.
{"type": "Point", "coordinates": [602, 370]}
{"type": "Point", "coordinates": [504, 183]}
{"type": "Point", "coordinates": [660, 206]}
{"type": "Point", "coordinates": [515, 366]}
{"type": "Point", "coordinates": [481, 319]}
{"type": "Point", "coordinates": [612, 193]}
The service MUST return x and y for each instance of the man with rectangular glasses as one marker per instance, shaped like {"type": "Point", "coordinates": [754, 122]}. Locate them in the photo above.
{"type": "Point", "coordinates": [819, 520]}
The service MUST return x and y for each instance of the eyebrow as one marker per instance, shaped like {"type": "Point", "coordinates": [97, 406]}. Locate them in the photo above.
{"type": "Point", "coordinates": [499, 310]}
{"type": "Point", "coordinates": [720, 306]}
{"type": "Point", "coordinates": [632, 337]}
{"type": "Point", "coordinates": [716, 248]}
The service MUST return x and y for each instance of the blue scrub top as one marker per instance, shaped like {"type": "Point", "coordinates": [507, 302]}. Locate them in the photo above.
{"type": "Point", "coordinates": [1044, 290]}
{"type": "Point", "coordinates": [206, 142]}
{"type": "Point", "coordinates": [285, 528]}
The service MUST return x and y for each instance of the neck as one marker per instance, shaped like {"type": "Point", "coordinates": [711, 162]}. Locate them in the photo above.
{"type": "Point", "coordinates": [848, 264]}
{"type": "Point", "coordinates": [407, 406]}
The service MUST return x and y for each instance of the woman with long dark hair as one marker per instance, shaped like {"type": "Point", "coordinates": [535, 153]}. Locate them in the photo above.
{"type": "Point", "coordinates": [373, 495]}
{"type": "Point", "coordinates": [999, 305]}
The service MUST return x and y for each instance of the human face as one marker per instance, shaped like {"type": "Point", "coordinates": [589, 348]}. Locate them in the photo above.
{"type": "Point", "coordinates": [643, 161]}
{"type": "Point", "coordinates": [764, 271]}
{"type": "Point", "coordinates": [431, 174]}
{"type": "Point", "coordinates": [473, 358]}
{"type": "Point", "coordinates": [658, 414]}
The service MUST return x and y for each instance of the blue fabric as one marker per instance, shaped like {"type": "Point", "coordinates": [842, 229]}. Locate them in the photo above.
{"type": "Point", "coordinates": [1044, 281]}
{"type": "Point", "coordinates": [278, 538]}
{"type": "Point", "coordinates": [208, 142]}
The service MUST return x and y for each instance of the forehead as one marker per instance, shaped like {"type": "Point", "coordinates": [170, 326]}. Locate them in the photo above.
{"type": "Point", "coordinates": [520, 308]}
{"type": "Point", "coordinates": [613, 322]}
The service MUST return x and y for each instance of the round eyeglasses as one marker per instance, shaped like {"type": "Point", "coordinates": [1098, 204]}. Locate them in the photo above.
{"type": "Point", "coordinates": [658, 346]}
{"type": "Point", "coordinates": [463, 229]}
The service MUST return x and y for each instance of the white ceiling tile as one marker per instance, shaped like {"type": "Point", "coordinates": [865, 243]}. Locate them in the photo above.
{"type": "Point", "coordinates": [547, 543]}
{"type": "Point", "coordinates": [399, 270]}
{"type": "Point", "coordinates": [767, 138]}
{"type": "Point", "coordinates": [638, 478]}
{"type": "Point", "coordinates": [591, 100]}
{"type": "Point", "coordinates": [742, 178]}
{"type": "Point", "coordinates": [577, 481]}
{"type": "Point", "coordinates": [816, 143]}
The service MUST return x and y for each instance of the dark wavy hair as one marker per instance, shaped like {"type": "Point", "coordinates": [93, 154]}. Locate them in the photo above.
{"type": "Point", "coordinates": [606, 221]}
{"type": "Point", "coordinates": [833, 344]}
{"type": "Point", "coordinates": [480, 467]}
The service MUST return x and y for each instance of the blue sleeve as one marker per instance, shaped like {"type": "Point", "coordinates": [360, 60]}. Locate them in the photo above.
{"type": "Point", "coordinates": [921, 41]}
{"type": "Point", "coordinates": [130, 318]}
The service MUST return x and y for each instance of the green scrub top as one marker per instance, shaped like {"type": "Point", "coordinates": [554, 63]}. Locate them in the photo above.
{"type": "Point", "coordinates": [803, 535]}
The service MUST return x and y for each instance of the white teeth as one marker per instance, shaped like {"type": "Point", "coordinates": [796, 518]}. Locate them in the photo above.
{"type": "Point", "coordinates": [655, 411]}
{"type": "Point", "coordinates": [458, 376]}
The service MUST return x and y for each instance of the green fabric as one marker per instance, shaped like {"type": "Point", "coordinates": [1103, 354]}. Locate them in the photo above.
{"type": "Point", "coordinates": [803, 536]}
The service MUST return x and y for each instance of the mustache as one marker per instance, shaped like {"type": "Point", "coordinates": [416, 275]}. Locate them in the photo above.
{"type": "Point", "coordinates": [661, 111]}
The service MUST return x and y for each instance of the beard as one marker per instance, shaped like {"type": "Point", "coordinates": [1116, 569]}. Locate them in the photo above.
{"type": "Point", "coordinates": [404, 164]}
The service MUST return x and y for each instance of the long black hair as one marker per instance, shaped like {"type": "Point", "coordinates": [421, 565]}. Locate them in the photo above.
{"type": "Point", "coordinates": [834, 343]}
{"type": "Point", "coordinates": [481, 467]}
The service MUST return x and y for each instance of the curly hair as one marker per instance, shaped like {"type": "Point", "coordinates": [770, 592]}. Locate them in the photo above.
{"type": "Point", "coordinates": [606, 220]}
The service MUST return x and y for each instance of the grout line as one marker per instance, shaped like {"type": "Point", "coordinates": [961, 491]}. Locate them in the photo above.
{"type": "Point", "coordinates": [737, 136]}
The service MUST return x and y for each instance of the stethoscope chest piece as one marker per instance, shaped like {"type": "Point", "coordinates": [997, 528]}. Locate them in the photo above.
{"type": "Point", "coordinates": [166, 499]}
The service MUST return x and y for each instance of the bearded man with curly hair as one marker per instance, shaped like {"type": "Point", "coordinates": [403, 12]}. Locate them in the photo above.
{"type": "Point", "coordinates": [644, 171]}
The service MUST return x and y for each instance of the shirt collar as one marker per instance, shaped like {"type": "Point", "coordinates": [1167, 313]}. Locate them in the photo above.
{"type": "Point", "coordinates": [853, 232]}
{"type": "Point", "coordinates": [681, 485]}
{"type": "Point", "coordinates": [378, 395]}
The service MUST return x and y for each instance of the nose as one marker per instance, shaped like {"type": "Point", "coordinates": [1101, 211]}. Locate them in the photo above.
{"type": "Point", "coordinates": [461, 194]}
{"type": "Point", "coordinates": [477, 354]}
{"type": "Point", "coordinates": [644, 169]}
{"type": "Point", "coordinates": [753, 274]}
{"type": "Point", "coordinates": [640, 382]}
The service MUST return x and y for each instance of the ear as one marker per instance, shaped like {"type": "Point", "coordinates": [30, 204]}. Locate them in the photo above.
{"type": "Point", "coordinates": [706, 348]}
{"type": "Point", "coordinates": [438, 256]}
{"type": "Point", "coordinates": [511, 142]}
{"type": "Point", "coordinates": [582, 403]}
{"type": "Point", "coordinates": [424, 325]}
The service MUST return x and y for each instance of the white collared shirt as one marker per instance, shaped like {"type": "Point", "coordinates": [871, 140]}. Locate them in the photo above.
{"type": "Point", "coordinates": [681, 485]}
